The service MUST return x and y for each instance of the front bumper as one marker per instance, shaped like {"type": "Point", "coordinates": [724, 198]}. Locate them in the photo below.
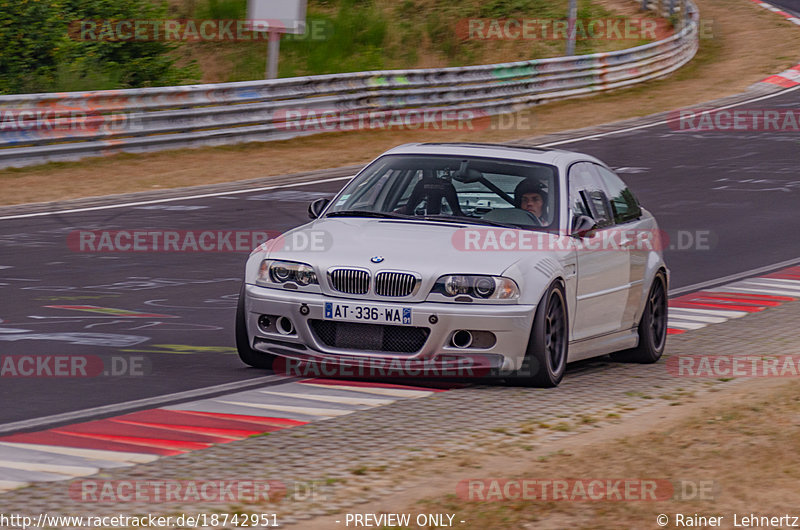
{"type": "Point", "coordinates": [510, 325]}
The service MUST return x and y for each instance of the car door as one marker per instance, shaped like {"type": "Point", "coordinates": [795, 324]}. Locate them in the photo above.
{"type": "Point", "coordinates": [603, 268]}
{"type": "Point", "coordinates": [631, 228]}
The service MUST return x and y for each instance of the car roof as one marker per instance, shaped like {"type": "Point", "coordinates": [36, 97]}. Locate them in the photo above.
{"type": "Point", "coordinates": [526, 153]}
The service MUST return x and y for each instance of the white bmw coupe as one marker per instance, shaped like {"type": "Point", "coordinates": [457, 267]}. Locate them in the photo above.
{"type": "Point", "coordinates": [517, 259]}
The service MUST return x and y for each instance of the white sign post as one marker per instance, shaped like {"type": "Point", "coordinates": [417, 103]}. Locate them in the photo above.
{"type": "Point", "coordinates": [276, 17]}
{"type": "Point", "coordinates": [572, 19]}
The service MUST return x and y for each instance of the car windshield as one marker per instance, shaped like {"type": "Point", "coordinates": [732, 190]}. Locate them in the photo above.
{"type": "Point", "coordinates": [446, 188]}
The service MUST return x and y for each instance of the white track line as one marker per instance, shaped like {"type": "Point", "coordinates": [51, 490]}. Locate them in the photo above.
{"type": "Point", "coordinates": [757, 282]}
{"type": "Point", "coordinates": [344, 400]}
{"type": "Point", "coordinates": [91, 454]}
{"type": "Point", "coordinates": [765, 282]}
{"type": "Point", "coordinates": [307, 411]}
{"type": "Point", "coordinates": [58, 469]}
{"type": "Point", "coordinates": [395, 392]}
{"type": "Point", "coordinates": [672, 323]}
{"type": "Point", "coordinates": [778, 282]}
{"type": "Point", "coordinates": [17, 454]}
{"type": "Point", "coordinates": [696, 318]}
{"type": "Point", "coordinates": [171, 199]}
{"type": "Point", "coordinates": [714, 312]}
{"type": "Point", "coordinates": [6, 485]}
{"type": "Point", "coordinates": [662, 122]}
{"type": "Point", "coordinates": [764, 290]}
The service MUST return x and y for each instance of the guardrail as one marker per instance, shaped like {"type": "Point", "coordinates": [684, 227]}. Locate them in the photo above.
{"type": "Point", "coordinates": [74, 125]}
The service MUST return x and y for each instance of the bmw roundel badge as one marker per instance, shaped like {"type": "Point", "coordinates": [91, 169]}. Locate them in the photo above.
{"type": "Point", "coordinates": [376, 259]}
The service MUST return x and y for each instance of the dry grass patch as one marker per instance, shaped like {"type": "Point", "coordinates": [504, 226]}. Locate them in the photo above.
{"type": "Point", "coordinates": [748, 447]}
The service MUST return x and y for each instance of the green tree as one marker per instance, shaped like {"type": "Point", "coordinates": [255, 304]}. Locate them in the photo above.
{"type": "Point", "coordinates": [32, 38]}
{"type": "Point", "coordinates": [37, 52]}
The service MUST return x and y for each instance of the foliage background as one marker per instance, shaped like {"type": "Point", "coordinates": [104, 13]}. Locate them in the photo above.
{"type": "Point", "coordinates": [37, 54]}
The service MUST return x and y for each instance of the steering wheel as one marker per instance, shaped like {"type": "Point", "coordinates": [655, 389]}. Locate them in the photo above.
{"type": "Point", "coordinates": [536, 221]}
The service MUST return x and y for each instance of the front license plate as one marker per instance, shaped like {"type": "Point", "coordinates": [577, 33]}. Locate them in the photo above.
{"type": "Point", "coordinates": [368, 313]}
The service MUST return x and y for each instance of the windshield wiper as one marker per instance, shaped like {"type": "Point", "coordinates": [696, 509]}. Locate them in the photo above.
{"type": "Point", "coordinates": [367, 213]}
{"type": "Point", "coordinates": [469, 220]}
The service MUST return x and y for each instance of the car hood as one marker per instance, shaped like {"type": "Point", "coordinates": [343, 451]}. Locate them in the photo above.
{"type": "Point", "coordinates": [428, 248]}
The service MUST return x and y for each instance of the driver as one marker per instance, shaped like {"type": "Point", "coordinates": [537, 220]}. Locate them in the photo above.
{"type": "Point", "coordinates": [531, 197]}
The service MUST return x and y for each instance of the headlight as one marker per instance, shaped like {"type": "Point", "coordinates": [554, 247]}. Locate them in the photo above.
{"type": "Point", "coordinates": [273, 271]}
{"type": "Point", "coordinates": [481, 287]}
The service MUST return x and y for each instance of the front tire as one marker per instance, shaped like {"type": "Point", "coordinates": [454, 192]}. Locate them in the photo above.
{"type": "Point", "coordinates": [546, 355]}
{"type": "Point", "coordinates": [248, 355]}
{"type": "Point", "coordinates": [652, 327]}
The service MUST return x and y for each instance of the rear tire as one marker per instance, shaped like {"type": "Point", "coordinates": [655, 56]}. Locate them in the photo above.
{"type": "Point", "coordinates": [546, 355]}
{"type": "Point", "coordinates": [652, 327]}
{"type": "Point", "coordinates": [248, 355]}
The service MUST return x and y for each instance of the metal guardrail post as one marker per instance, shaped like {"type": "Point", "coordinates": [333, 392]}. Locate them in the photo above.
{"type": "Point", "coordinates": [273, 52]}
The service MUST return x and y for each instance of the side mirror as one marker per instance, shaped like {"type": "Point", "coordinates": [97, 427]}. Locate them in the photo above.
{"type": "Point", "coordinates": [316, 207]}
{"type": "Point", "coordinates": [583, 226]}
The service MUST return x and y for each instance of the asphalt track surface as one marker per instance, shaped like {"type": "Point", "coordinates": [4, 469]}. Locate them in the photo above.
{"type": "Point", "coordinates": [790, 6]}
{"type": "Point", "coordinates": [739, 191]}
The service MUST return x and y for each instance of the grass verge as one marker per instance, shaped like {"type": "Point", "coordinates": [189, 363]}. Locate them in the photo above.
{"type": "Point", "coordinates": [722, 459]}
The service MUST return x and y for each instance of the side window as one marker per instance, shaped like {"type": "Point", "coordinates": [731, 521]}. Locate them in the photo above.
{"type": "Point", "coordinates": [587, 195]}
{"type": "Point", "coordinates": [623, 203]}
